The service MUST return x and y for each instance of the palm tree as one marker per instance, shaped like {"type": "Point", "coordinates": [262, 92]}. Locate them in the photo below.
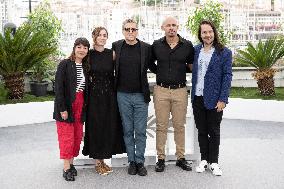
{"type": "Point", "coordinates": [263, 57]}
{"type": "Point", "coordinates": [19, 53]}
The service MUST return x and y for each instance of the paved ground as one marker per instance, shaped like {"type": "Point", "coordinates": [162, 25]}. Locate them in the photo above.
{"type": "Point", "coordinates": [251, 156]}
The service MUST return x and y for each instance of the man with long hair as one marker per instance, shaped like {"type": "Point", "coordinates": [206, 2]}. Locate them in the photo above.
{"type": "Point", "coordinates": [211, 82]}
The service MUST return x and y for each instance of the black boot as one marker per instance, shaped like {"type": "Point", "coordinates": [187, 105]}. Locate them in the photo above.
{"type": "Point", "coordinates": [160, 165]}
{"type": "Point", "coordinates": [132, 169]}
{"type": "Point", "coordinates": [68, 175]}
{"type": "Point", "coordinates": [183, 164]}
{"type": "Point", "coordinates": [73, 170]}
{"type": "Point", "coordinates": [141, 170]}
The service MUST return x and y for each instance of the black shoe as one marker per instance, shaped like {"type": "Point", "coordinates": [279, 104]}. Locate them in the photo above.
{"type": "Point", "coordinates": [73, 170]}
{"type": "Point", "coordinates": [160, 165]}
{"type": "Point", "coordinates": [68, 175]}
{"type": "Point", "coordinates": [141, 170]}
{"type": "Point", "coordinates": [184, 164]}
{"type": "Point", "coordinates": [132, 169]}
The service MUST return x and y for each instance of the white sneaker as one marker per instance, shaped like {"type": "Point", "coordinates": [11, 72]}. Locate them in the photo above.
{"type": "Point", "coordinates": [214, 167]}
{"type": "Point", "coordinates": [201, 167]}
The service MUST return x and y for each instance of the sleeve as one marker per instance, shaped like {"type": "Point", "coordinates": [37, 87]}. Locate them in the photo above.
{"type": "Point", "coordinates": [226, 76]}
{"type": "Point", "coordinates": [113, 46]}
{"type": "Point", "coordinates": [59, 86]}
{"type": "Point", "coordinates": [153, 58]}
{"type": "Point", "coordinates": [190, 56]}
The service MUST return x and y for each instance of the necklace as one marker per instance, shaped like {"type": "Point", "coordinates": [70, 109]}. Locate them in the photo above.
{"type": "Point", "coordinates": [172, 45]}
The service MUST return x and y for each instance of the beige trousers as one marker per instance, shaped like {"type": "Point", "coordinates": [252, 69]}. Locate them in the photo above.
{"type": "Point", "coordinates": [168, 101]}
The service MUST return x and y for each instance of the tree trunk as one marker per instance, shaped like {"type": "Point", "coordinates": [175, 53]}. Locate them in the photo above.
{"type": "Point", "coordinates": [15, 85]}
{"type": "Point", "coordinates": [266, 86]}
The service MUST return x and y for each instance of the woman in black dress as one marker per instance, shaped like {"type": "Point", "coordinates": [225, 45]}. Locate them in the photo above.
{"type": "Point", "coordinates": [103, 129]}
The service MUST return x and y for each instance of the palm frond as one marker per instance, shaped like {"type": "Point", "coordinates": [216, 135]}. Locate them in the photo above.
{"type": "Point", "coordinates": [264, 55]}
{"type": "Point", "coordinates": [20, 52]}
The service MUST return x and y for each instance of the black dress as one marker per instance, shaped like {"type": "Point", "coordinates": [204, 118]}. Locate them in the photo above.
{"type": "Point", "coordinates": [103, 128]}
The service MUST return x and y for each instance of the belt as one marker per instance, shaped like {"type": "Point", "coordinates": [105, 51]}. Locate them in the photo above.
{"type": "Point", "coordinates": [176, 86]}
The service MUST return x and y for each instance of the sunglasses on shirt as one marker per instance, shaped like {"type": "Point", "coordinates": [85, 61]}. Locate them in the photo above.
{"type": "Point", "coordinates": [130, 29]}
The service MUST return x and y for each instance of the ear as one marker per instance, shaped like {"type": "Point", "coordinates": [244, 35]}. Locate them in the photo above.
{"type": "Point", "coordinates": [162, 28]}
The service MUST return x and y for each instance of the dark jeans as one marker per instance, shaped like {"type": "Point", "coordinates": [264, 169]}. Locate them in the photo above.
{"type": "Point", "coordinates": [134, 113]}
{"type": "Point", "coordinates": [208, 126]}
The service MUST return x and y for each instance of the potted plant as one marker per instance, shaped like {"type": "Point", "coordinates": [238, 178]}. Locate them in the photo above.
{"type": "Point", "coordinates": [33, 43]}
{"type": "Point", "coordinates": [41, 75]}
{"type": "Point", "coordinates": [18, 53]}
{"type": "Point", "coordinates": [263, 57]}
{"type": "Point", "coordinates": [43, 20]}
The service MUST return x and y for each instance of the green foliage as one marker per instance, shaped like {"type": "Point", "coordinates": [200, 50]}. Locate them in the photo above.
{"type": "Point", "coordinates": [28, 98]}
{"type": "Point", "coordinates": [237, 64]}
{"type": "Point", "coordinates": [43, 20]}
{"type": "Point", "coordinates": [262, 56]}
{"type": "Point", "coordinates": [43, 72]}
{"type": "Point", "coordinates": [253, 93]}
{"type": "Point", "coordinates": [209, 11]}
{"type": "Point", "coordinates": [20, 52]}
{"type": "Point", "coordinates": [3, 92]}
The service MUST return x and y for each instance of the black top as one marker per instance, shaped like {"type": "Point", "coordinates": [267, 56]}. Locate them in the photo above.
{"type": "Point", "coordinates": [100, 61]}
{"type": "Point", "coordinates": [129, 80]}
{"type": "Point", "coordinates": [145, 58]}
{"type": "Point", "coordinates": [171, 63]}
{"type": "Point", "coordinates": [102, 72]}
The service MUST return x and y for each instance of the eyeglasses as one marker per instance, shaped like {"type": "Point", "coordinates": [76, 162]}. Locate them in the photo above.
{"type": "Point", "coordinates": [130, 29]}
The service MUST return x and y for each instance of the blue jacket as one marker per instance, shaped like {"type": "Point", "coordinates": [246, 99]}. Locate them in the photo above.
{"type": "Point", "coordinates": [217, 80]}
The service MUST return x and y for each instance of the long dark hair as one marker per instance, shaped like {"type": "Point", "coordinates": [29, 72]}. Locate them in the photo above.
{"type": "Point", "coordinates": [216, 42]}
{"type": "Point", "coordinates": [81, 41]}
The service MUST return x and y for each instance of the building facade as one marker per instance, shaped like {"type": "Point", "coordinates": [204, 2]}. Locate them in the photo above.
{"type": "Point", "coordinates": [248, 20]}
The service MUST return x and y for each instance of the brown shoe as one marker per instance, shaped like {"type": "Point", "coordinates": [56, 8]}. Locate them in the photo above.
{"type": "Point", "coordinates": [100, 169]}
{"type": "Point", "coordinates": [107, 168]}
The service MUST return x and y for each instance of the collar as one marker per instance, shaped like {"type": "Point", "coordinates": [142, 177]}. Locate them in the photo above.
{"type": "Point", "coordinates": [212, 47]}
{"type": "Point", "coordinates": [181, 40]}
{"type": "Point", "coordinates": [138, 41]}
